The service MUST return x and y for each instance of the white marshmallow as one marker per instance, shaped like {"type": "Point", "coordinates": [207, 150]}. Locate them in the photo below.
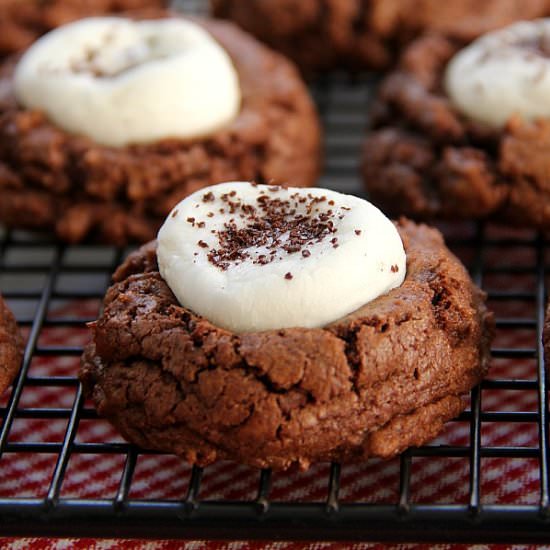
{"type": "Point", "coordinates": [503, 73]}
{"type": "Point", "coordinates": [361, 258]}
{"type": "Point", "coordinates": [120, 82]}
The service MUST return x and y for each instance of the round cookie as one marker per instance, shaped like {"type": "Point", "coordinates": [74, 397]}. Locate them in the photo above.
{"type": "Point", "coordinates": [360, 34]}
{"type": "Point", "coordinates": [373, 383]}
{"type": "Point", "coordinates": [11, 345]}
{"type": "Point", "coordinates": [53, 180]}
{"type": "Point", "coordinates": [23, 21]}
{"type": "Point", "coordinates": [427, 159]}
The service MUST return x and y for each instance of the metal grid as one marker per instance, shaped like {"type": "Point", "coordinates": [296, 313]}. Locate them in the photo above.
{"type": "Point", "coordinates": [56, 288]}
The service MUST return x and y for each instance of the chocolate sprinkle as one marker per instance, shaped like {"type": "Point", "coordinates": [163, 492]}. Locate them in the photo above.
{"type": "Point", "coordinates": [274, 225]}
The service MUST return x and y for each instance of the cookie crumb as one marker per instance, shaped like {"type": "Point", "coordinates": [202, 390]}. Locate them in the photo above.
{"type": "Point", "coordinates": [394, 268]}
{"type": "Point", "coordinates": [358, 232]}
{"type": "Point", "coordinates": [288, 276]}
{"type": "Point", "coordinates": [202, 244]}
{"type": "Point", "coordinates": [175, 213]}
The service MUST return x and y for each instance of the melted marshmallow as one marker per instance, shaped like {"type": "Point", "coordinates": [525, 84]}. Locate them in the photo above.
{"type": "Point", "coordinates": [119, 81]}
{"type": "Point", "coordinates": [503, 73]}
{"type": "Point", "coordinates": [251, 257]}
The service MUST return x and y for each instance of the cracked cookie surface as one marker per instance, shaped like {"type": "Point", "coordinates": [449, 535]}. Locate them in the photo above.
{"type": "Point", "coordinates": [52, 180]}
{"type": "Point", "coordinates": [373, 383]}
{"type": "Point", "coordinates": [11, 346]}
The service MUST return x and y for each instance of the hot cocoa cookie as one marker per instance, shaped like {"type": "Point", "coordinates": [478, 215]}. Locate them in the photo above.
{"type": "Point", "coordinates": [171, 379]}
{"type": "Point", "coordinates": [11, 346]}
{"type": "Point", "coordinates": [23, 21]}
{"type": "Point", "coordinates": [366, 34]}
{"type": "Point", "coordinates": [230, 109]}
{"type": "Point", "coordinates": [463, 132]}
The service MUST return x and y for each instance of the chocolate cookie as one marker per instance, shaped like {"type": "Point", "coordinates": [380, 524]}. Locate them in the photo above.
{"type": "Point", "coordinates": [426, 160]}
{"type": "Point", "coordinates": [11, 346]}
{"type": "Point", "coordinates": [362, 34]}
{"type": "Point", "coordinates": [23, 21]}
{"type": "Point", "coordinates": [50, 179]}
{"type": "Point", "coordinates": [377, 381]}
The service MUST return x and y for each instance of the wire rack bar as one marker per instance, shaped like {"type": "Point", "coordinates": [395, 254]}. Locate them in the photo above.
{"type": "Point", "coordinates": [542, 393]}
{"type": "Point", "coordinates": [353, 522]}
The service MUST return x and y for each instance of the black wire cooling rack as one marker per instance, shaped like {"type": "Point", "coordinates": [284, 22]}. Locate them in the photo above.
{"type": "Point", "coordinates": [46, 283]}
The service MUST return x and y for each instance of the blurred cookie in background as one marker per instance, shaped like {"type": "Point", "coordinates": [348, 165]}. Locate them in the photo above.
{"type": "Point", "coordinates": [464, 132]}
{"type": "Point", "coordinates": [107, 122]}
{"type": "Point", "coordinates": [358, 34]}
